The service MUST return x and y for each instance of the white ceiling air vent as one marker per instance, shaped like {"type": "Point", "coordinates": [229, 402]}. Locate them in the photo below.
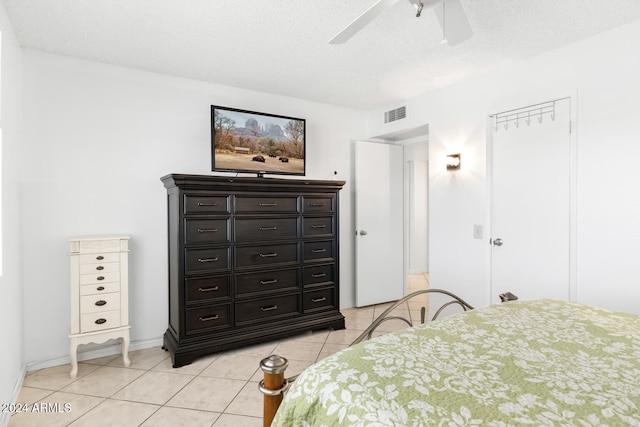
{"type": "Point", "coordinates": [397, 114]}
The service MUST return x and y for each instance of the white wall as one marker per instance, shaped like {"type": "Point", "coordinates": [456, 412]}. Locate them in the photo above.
{"type": "Point", "coordinates": [604, 71]}
{"type": "Point", "coordinates": [97, 140]}
{"type": "Point", "coordinates": [11, 297]}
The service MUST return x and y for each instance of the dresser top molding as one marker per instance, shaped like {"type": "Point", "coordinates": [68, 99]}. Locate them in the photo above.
{"type": "Point", "coordinates": [248, 183]}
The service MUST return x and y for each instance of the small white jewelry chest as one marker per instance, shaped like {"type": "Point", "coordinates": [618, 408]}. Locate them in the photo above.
{"type": "Point", "coordinates": [99, 293]}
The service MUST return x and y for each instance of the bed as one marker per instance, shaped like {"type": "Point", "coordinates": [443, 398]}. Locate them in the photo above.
{"type": "Point", "coordinates": [533, 362]}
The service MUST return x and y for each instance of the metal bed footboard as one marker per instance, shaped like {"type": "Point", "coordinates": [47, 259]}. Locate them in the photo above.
{"type": "Point", "coordinates": [275, 384]}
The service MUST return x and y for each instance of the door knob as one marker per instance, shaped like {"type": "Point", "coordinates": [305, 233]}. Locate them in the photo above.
{"type": "Point", "coordinates": [498, 242]}
{"type": "Point", "coordinates": [363, 233]}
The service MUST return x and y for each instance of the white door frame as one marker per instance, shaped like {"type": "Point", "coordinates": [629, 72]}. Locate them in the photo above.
{"type": "Point", "coordinates": [573, 264]}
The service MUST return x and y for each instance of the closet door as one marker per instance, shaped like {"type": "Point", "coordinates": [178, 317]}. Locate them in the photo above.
{"type": "Point", "coordinates": [531, 204]}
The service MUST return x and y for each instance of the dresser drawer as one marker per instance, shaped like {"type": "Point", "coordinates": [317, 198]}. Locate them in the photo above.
{"type": "Point", "coordinates": [98, 321]}
{"type": "Point", "coordinates": [260, 229]}
{"type": "Point", "coordinates": [318, 250]}
{"type": "Point", "coordinates": [213, 317]}
{"type": "Point", "coordinates": [195, 204]}
{"type": "Point", "coordinates": [206, 231]}
{"type": "Point", "coordinates": [99, 258]}
{"type": "Point", "coordinates": [97, 303]}
{"type": "Point", "coordinates": [319, 300]}
{"type": "Point", "coordinates": [262, 204]}
{"type": "Point", "coordinates": [102, 267]}
{"type": "Point", "coordinates": [321, 274]}
{"type": "Point", "coordinates": [267, 308]}
{"type": "Point", "coordinates": [265, 281]}
{"type": "Point", "coordinates": [312, 204]}
{"type": "Point", "coordinates": [199, 260]}
{"type": "Point", "coordinates": [98, 289]}
{"type": "Point", "coordinates": [266, 255]}
{"type": "Point", "coordinates": [207, 288]}
{"type": "Point", "coordinates": [322, 226]}
{"type": "Point", "coordinates": [88, 279]}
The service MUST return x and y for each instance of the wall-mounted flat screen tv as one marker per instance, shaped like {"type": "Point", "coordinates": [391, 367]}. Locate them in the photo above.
{"type": "Point", "coordinates": [253, 142]}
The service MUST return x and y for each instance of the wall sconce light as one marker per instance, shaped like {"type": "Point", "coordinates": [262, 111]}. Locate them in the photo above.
{"type": "Point", "coordinates": [453, 162]}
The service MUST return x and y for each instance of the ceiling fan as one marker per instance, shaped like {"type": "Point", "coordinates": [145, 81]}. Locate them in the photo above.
{"type": "Point", "coordinates": [449, 13]}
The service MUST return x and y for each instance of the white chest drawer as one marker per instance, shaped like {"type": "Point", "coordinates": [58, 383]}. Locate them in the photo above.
{"type": "Point", "coordinates": [88, 279]}
{"type": "Point", "coordinates": [98, 321]}
{"type": "Point", "coordinates": [99, 258]}
{"type": "Point", "coordinates": [99, 288]}
{"type": "Point", "coordinates": [97, 303]}
{"type": "Point", "coordinates": [105, 267]}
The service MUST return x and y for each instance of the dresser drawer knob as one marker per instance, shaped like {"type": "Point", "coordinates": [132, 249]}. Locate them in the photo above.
{"type": "Point", "coordinates": [214, 259]}
{"type": "Point", "coordinates": [100, 288]}
{"type": "Point", "coordinates": [99, 268]}
{"type": "Point", "coordinates": [269, 282]}
{"type": "Point", "coordinates": [101, 321]}
{"type": "Point", "coordinates": [271, 255]}
{"type": "Point", "coordinates": [270, 308]}
{"type": "Point", "coordinates": [99, 257]}
{"type": "Point", "coordinates": [101, 302]}
{"type": "Point", "coordinates": [267, 204]}
{"type": "Point", "coordinates": [318, 251]}
{"type": "Point", "coordinates": [206, 204]}
{"type": "Point", "coordinates": [268, 228]}
{"type": "Point", "coordinates": [317, 205]}
{"type": "Point", "coordinates": [319, 226]}
{"type": "Point", "coordinates": [318, 299]}
{"type": "Point", "coordinates": [212, 289]}
{"type": "Point", "coordinates": [100, 278]}
{"type": "Point", "coordinates": [317, 275]}
{"type": "Point", "coordinates": [206, 319]}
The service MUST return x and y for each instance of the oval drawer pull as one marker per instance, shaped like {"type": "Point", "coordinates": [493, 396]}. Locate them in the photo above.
{"type": "Point", "coordinates": [101, 302]}
{"type": "Point", "coordinates": [207, 230]}
{"type": "Point", "coordinates": [101, 321]}
{"type": "Point", "coordinates": [267, 204]}
{"type": "Point", "coordinates": [319, 226]}
{"type": "Point", "coordinates": [270, 308]}
{"type": "Point", "coordinates": [268, 228]}
{"type": "Point", "coordinates": [318, 251]}
{"type": "Point", "coordinates": [271, 255]}
{"type": "Point", "coordinates": [316, 275]}
{"type": "Point", "coordinates": [317, 205]}
{"type": "Point", "coordinates": [99, 268]}
{"type": "Point", "coordinates": [99, 257]}
{"type": "Point", "coordinates": [206, 204]}
{"type": "Point", "coordinates": [318, 299]}
{"type": "Point", "coordinates": [206, 319]}
{"type": "Point", "coordinates": [268, 282]}
{"type": "Point", "coordinates": [214, 259]}
{"type": "Point", "coordinates": [100, 288]}
{"type": "Point", "coordinates": [213, 289]}
{"type": "Point", "coordinates": [100, 278]}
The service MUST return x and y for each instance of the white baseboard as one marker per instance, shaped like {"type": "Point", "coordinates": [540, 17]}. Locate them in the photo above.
{"type": "Point", "coordinates": [94, 351]}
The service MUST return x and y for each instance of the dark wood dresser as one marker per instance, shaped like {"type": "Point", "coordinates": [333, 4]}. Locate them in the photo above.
{"type": "Point", "coordinates": [250, 260]}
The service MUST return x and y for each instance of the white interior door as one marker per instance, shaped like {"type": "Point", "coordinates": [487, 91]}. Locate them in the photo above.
{"type": "Point", "coordinates": [379, 229]}
{"type": "Point", "coordinates": [531, 207]}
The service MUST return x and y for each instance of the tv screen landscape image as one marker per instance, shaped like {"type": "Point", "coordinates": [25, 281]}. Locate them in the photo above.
{"type": "Point", "coordinates": [249, 141]}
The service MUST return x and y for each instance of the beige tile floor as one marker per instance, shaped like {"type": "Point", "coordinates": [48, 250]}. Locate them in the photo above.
{"type": "Point", "coordinates": [218, 390]}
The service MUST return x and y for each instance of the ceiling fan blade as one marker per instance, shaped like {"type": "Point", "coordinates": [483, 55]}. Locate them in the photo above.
{"type": "Point", "coordinates": [362, 21]}
{"type": "Point", "coordinates": [456, 28]}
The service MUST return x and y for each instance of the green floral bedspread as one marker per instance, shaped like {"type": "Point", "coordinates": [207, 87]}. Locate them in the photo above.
{"type": "Point", "coordinates": [537, 363]}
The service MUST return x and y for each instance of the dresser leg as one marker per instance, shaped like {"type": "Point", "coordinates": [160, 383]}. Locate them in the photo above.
{"type": "Point", "coordinates": [73, 354]}
{"type": "Point", "coordinates": [125, 349]}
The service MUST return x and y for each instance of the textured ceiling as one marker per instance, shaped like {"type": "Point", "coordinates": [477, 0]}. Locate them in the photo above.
{"type": "Point", "coordinates": [280, 46]}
